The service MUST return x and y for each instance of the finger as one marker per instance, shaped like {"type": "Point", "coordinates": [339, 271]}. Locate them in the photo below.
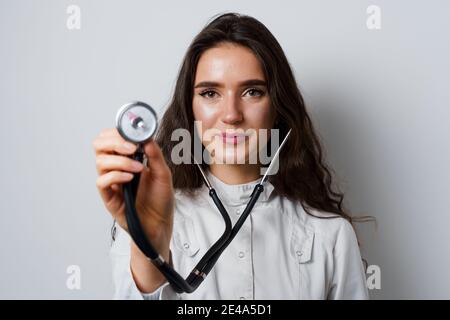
{"type": "Point", "coordinates": [116, 187]}
{"type": "Point", "coordinates": [113, 144]}
{"type": "Point", "coordinates": [109, 132]}
{"type": "Point", "coordinates": [105, 181]}
{"type": "Point", "coordinates": [155, 160]}
{"type": "Point", "coordinates": [108, 162]}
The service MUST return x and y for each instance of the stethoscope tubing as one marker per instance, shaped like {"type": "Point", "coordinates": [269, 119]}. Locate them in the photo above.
{"type": "Point", "coordinates": [207, 262]}
{"type": "Point", "coordinates": [204, 266]}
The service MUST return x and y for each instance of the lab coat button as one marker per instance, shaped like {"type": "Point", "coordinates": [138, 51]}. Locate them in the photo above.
{"type": "Point", "coordinates": [238, 211]}
{"type": "Point", "coordinates": [241, 254]}
{"type": "Point", "coordinates": [242, 298]}
{"type": "Point", "coordinates": [186, 245]}
{"type": "Point", "coordinates": [299, 253]}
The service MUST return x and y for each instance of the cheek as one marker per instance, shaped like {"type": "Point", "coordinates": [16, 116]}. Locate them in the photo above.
{"type": "Point", "coordinates": [206, 117]}
{"type": "Point", "coordinates": [260, 117]}
{"type": "Point", "coordinates": [205, 113]}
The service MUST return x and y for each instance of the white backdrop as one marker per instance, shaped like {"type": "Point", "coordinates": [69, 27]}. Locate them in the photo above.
{"type": "Point", "coordinates": [379, 98]}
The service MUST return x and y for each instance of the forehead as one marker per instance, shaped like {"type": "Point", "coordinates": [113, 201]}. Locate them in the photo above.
{"type": "Point", "coordinates": [228, 62]}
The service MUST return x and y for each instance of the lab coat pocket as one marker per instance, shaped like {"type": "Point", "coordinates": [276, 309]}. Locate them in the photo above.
{"type": "Point", "coordinates": [302, 244]}
{"type": "Point", "coordinates": [301, 249]}
{"type": "Point", "coordinates": [184, 237]}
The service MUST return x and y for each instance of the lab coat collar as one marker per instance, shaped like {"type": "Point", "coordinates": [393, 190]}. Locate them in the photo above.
{"type": "Point", "coordinates": [238, 194]}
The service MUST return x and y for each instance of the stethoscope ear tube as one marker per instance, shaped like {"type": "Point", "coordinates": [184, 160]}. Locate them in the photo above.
{"type": "Point", "coordinates": [259, 188]}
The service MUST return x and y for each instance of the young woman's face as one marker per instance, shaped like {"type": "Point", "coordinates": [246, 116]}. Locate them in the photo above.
{"type": "Point", "coordinates": [231, 103]}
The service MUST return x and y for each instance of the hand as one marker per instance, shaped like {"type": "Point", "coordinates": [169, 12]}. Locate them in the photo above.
{"type": "Point", "coordinates": [155, 197]}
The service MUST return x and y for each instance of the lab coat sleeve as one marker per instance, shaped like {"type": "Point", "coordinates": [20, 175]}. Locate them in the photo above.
{"type": "Point", "coordinates": [124, 285]}
{"type": "Point", "coordinates": [348, 280]}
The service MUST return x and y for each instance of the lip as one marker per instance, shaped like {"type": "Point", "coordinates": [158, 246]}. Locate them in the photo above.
{"type": "Point", "coordinates": [232, 138]}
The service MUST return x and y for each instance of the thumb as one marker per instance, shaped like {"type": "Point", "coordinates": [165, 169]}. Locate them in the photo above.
{"type": "Point", "coordinates": [155, 160]}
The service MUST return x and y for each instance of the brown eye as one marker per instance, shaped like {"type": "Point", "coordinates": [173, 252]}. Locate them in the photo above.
{"type": "Point", "coordinates": [255, 92]}
{"type": "Point", "coordinates": [209, 94]}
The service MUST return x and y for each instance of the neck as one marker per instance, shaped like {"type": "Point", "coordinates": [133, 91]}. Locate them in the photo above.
{"type": "Point", "coordinates": [235, 174]}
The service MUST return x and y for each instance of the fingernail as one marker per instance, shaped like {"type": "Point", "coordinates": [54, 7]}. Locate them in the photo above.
{"type": "Point", "coordinates": [137, 165]}
{"type": "Point", "coordinates": [129, 146]}
{"type": "Point", "coordinates": [127, 175]}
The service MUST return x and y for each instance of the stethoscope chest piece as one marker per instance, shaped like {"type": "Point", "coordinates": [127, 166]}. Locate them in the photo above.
{"type": "Point", "coordinates": [136, 122]}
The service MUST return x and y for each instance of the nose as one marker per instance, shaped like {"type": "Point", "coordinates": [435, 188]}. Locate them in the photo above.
{"type": "Point", "coordinates": [231, 111]}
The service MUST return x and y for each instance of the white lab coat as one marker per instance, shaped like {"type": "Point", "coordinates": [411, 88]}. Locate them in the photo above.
{"type": "Point", "coordinates": [280, 252]}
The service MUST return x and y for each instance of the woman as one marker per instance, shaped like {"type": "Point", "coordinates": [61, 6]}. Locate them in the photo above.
{"type": "Point", "coordinates": [298, 243]}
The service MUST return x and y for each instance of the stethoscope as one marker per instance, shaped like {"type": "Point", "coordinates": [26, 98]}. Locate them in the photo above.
{"type": "Point", "coordinates": [137, 122]}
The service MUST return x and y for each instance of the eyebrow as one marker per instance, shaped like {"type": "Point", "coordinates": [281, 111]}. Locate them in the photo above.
{"type": "Point", "coordinates": [250, 82]}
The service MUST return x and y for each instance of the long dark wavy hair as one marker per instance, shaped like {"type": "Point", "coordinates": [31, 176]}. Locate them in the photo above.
{"type": "Point", "coordinates": [304, 175]}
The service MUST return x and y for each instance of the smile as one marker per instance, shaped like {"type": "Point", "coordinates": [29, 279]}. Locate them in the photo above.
{"type": "Point", "coordinates": [233, 138]}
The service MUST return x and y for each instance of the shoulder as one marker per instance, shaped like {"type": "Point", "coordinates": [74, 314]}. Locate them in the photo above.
{"type": "Point", "coordinates": [327, 226]}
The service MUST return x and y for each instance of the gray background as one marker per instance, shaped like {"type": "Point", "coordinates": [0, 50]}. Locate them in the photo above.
{"type": "Point", "coordinates": [379, 99]}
